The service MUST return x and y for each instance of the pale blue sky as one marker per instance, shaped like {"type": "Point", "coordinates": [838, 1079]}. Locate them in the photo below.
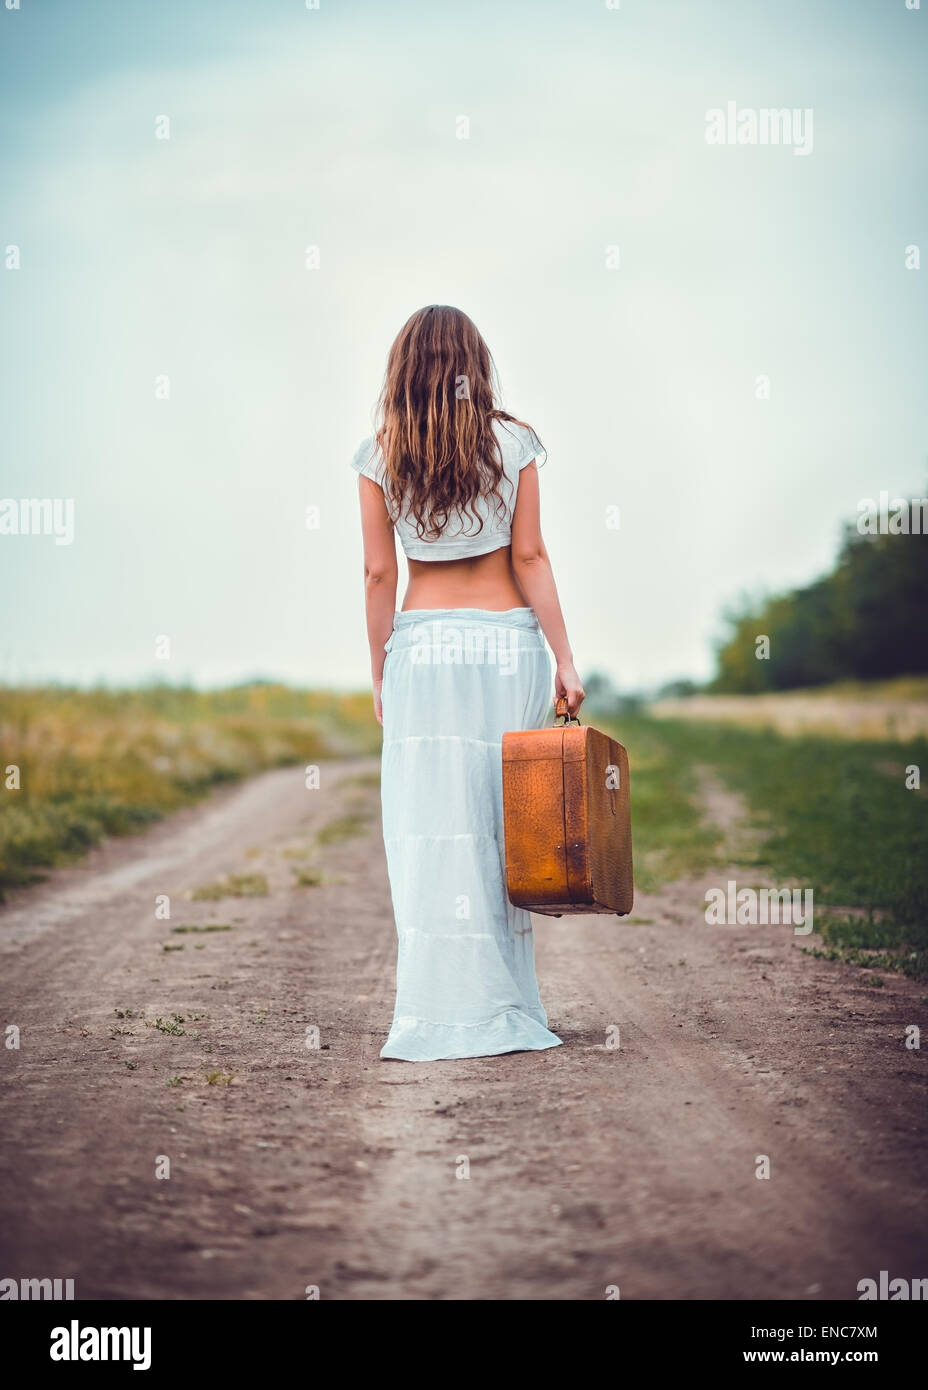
{"type": "Point", "coordinates": [337, 128]}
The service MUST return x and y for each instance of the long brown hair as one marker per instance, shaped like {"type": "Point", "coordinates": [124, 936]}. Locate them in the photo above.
{"type": "Point", "coordinates": [437, 408]}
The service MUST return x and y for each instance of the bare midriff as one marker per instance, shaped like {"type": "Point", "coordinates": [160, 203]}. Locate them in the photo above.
{"type": "Point", "coordinates": [478, 581]}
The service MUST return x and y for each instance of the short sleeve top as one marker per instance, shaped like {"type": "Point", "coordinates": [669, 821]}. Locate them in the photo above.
{"type": "Point", "coordinates": [519, 445]}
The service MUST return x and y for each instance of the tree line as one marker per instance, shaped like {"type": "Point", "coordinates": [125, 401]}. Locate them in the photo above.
{"type": "Point", "coordinates": [864, 621]}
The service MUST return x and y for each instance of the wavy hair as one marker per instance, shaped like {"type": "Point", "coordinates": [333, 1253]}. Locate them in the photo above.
{"type": "Point", "coordinates": [436, 412]}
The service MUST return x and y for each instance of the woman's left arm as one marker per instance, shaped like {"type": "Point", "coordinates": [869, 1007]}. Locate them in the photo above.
{"type": "Point", "coordinates": [380, 578]}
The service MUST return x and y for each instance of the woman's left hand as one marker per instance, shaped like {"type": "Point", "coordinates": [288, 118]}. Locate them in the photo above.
{"type": "Point", "coordinates": [567, 686]}
{"type": "Point", "coordinates": [378, 700]}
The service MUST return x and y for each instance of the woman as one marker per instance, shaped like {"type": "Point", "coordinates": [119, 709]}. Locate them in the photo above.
{"type": "Point", "coordinates": [462, 663]}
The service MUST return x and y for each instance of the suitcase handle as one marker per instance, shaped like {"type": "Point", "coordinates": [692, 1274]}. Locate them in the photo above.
{"type": "Point", "coordinates": [561, 712]}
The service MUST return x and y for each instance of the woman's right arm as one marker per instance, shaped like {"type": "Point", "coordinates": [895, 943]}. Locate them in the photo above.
{"type": "Point", "coordinates": [534, 576]}
{"type": "Point", "coordinates": [380, 579]}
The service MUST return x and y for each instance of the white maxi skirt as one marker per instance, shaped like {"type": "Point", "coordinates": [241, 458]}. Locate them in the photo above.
{"type": "Point", "coordinates": [455, 680]}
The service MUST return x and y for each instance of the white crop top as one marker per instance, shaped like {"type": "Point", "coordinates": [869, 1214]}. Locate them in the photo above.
{"type": "Point", "coordinates": [519, 444]}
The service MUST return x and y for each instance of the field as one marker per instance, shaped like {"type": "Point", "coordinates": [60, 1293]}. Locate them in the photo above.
{"type": "Point", "coordinates": [78, 765]}
{"type": "Point", "coordinates": [834, 815]}
{"type": "Point", "coordinates": [893, 710]}
{"type": "Point", "coordinates": [822, 810]}
{"type": "Point", "coordinates": [832, 777]}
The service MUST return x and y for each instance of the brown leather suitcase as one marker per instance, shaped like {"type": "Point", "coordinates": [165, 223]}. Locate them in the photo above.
{"type": "Point", "coordinates": [567, 820]}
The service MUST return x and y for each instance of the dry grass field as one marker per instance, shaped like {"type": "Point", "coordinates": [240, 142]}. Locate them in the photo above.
{"type": "Point", "coordinates": [894, 710]}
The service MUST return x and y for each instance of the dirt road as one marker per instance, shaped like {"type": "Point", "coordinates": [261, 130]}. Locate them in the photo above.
{"type": "Point", "coordinates": [295, 1166]}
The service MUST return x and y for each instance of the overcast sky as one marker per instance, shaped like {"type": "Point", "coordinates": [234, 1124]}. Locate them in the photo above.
{"type": "Point", "coordinates": [186, 258]}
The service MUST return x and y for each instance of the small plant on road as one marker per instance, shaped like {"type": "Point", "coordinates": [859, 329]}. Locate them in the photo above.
{"type": "Point", "coordinates": [235, 886]}
{"type": "Point", "coordinates": [209, 926]}
{"type": "Point", "coordinates": [172, 1026]}
{"type": "Point", "coordinates": [307, 878]}
{"type": "Point", "coordinates": [343, 828]}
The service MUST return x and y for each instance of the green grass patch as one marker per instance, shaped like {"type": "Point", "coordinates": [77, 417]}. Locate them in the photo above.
{"type": "Point", "coordinates": [833, 819]}
{"type": "Point", "coordinates": [308, 878]}
{"type": "Point", "coordinates": [878, 944]}
{"type": "Point", "coordinates": [343, 828]}
{"type": "Point", "coordinates": [670, 838]}
{"type": "Point", "coordinates": [235, 886]}
{"type": "Point", "coordinates": [365, 780]}
{"type": "Point", "coordinates": [207, 927]}
{"type": "Point", "coordinates": [173, 1026]}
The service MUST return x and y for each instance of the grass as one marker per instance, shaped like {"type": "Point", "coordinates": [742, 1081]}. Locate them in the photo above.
{"type": "Point", "coordinates": [877, 944]}
{"type": "Point", "coordinates": [235, 886]}
{"type": "Point", "coordinates": [836, 816]}
{"type": "Point", "coordinates": [904, 688]}
{"type": "Point", "coordinates": [308, 878]}
{"type": "Point", "coordinates": [834, 812]}
{"type": "Point", "coordinates": [209, 926]}
{"type": "Point", "coordinates": [104, 762]}
{"type": "Point", "coordinates": [343, 828]}
{"type": "Point", "coordinates": [173, 1026]}
{"type": "Point", "coordinates": [364, 780]}
{"type": "Point", "coordinates": [894, 710]}
{"type": "Point", "coordinates": [670, 838]}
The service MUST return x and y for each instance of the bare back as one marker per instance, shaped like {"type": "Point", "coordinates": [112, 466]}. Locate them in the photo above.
{"type": "Point", "coordinates": [479, 581]}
